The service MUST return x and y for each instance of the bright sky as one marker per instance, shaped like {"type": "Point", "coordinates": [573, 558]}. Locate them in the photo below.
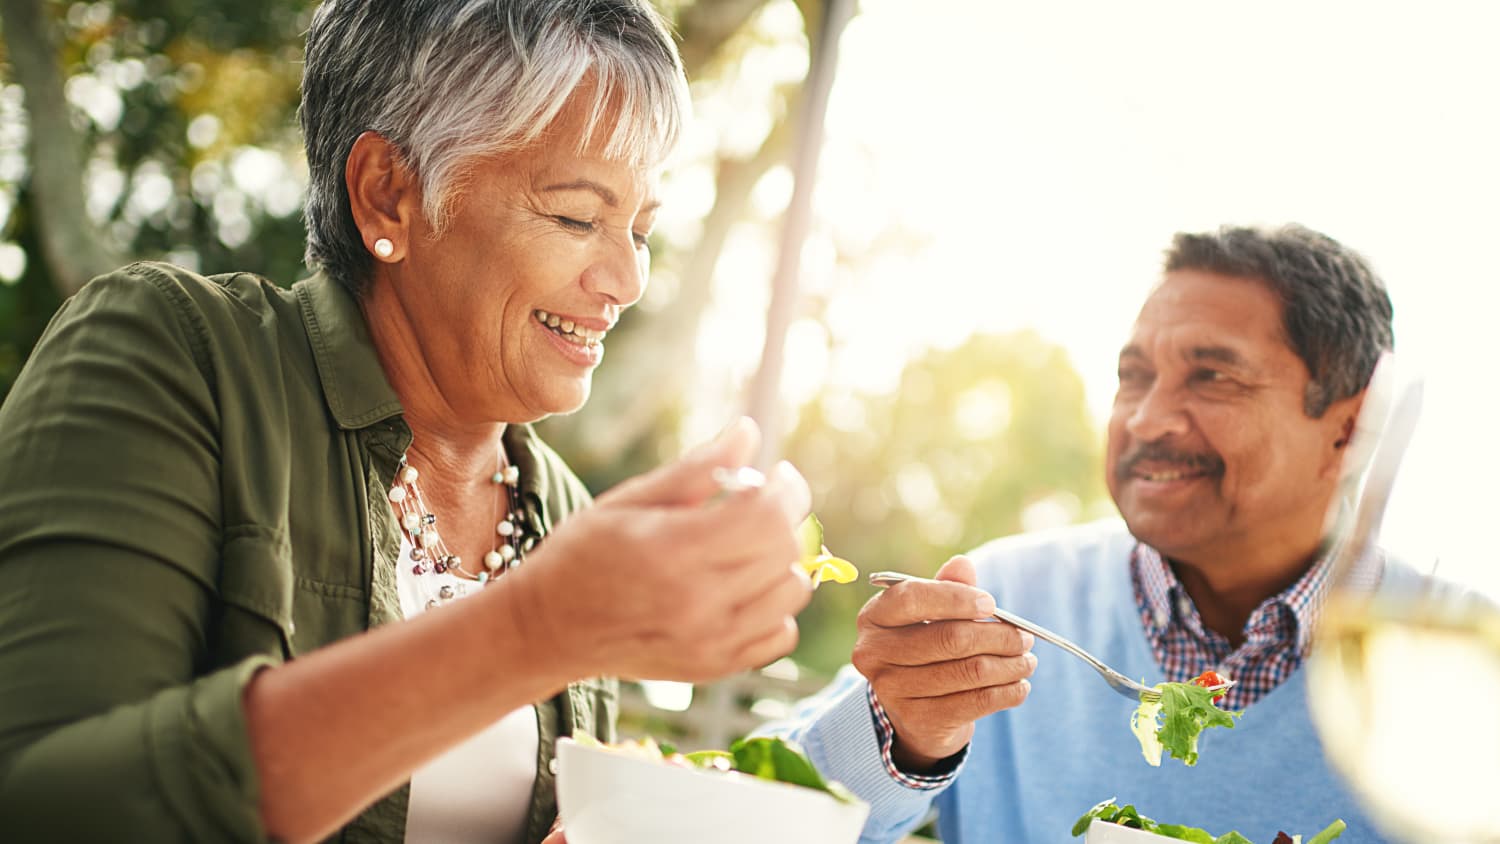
{"type": "Point", "coordinates": [1044, 153]}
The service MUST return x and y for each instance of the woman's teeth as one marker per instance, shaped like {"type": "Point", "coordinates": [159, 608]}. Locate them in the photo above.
{"type": "Point", "coordinates": [566, 329]}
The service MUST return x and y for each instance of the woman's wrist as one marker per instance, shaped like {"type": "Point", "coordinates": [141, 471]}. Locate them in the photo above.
{"type": "Point", "coordinates": [526, 611]}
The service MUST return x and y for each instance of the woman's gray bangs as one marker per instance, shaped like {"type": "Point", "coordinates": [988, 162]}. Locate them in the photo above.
{"type": "Point", "coordinates": [643, 106]}
{"type": "Point", "coordinates": [641, 102]}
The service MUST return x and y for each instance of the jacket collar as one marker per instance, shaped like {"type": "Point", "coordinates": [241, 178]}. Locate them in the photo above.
{"type": "Point", "coordinates": [354, 384]}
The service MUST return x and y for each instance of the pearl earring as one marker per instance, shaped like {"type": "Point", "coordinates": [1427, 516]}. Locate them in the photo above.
{"type": "Point", "coordinates": [384, 248]}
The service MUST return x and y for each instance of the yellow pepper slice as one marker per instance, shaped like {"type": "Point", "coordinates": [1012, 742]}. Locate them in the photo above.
{"type": "Point", "coordinates": [828, 567]}
{"type": "Point", "coordinates": [816, 561]}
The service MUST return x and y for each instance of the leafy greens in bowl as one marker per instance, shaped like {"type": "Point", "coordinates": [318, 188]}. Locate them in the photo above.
{"type": "Point", "coordinates": [761, 789]}
{"type": "Point", "coordinates": [1100, 821]}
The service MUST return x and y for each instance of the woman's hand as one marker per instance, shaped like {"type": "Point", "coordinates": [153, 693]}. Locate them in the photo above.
{"type": "Point", "coordinates": [662, 579]}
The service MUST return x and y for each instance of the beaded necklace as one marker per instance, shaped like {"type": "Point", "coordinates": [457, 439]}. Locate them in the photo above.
{"type": "Point", "coordinates": [430, 555]}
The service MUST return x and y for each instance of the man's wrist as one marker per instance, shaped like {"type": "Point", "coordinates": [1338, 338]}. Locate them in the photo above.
{"type": "Point", "coordinates": [920, 764]}
{"type": "Point", "coordinates": [943, 771]}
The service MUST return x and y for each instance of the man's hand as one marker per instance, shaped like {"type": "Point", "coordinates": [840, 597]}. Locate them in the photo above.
{"type": "Point", "coordinates": [935, 669]}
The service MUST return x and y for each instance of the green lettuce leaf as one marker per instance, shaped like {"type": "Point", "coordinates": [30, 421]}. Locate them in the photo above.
{"type": "Point", "coordinates": [1187, 710]}
{"type": "Point", "coordinates": [1185, 833]}
{"type": "Point", "coordinates": [776, 759]}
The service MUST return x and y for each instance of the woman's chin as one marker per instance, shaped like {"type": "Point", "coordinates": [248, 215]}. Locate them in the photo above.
{"type": "Point", "coordinates": [560, 397]}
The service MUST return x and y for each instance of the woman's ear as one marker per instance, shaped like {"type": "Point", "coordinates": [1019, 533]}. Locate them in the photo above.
{"type": "Point", "coordinates": [384, 196]}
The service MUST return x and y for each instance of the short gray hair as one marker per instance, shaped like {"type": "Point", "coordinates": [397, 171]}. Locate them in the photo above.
{"type": "Point", "coordinates": [1334, 308]}
{"type": "Point", "coordinates": [449, 81]}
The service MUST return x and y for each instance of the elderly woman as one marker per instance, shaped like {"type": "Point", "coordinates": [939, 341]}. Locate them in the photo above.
{"type": "Point", "coordinates": [216, 495]}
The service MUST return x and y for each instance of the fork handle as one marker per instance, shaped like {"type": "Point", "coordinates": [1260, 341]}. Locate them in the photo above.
{"type": "Point", "coordinates": [884, 579]}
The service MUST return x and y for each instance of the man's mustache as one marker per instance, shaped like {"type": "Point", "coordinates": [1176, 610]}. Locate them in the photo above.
{"type": "Point", "coordinates": [1162, 453]}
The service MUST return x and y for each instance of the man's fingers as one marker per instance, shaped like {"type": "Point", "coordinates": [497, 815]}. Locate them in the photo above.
{"type": "Point", "coordinates": [959, 569]}
{"type": "Point", "coordinates": [942, 679]}
{"type": "Point", "coordinates": [959, 707]}
{"type": "Point", "coordinates": [941, 641]}
{"type": "Point", "coordinates": [916, 601]}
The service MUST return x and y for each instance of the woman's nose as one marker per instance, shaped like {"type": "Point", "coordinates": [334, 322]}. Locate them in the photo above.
{"type": "Point", "coordinates": [620, 273]}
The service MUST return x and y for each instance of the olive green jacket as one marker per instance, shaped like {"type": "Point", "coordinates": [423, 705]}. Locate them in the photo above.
{"type": "Point", "coordinates": [192, 487]}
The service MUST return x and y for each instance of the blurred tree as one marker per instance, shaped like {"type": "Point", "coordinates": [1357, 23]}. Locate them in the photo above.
{"type": "Point", "coordinates": [984, 440]}
{"type": "Point", "coordinates": [143, 129]}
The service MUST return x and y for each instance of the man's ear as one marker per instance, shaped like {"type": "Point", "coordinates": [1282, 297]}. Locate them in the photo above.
{"type": "Point", "coordinates": [384, 195]}
{"type": "Point", "coordinates": [1344, 456]}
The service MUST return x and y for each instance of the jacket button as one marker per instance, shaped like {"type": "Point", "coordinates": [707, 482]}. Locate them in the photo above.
{"type": "Point", "coordinates": [552, 767]}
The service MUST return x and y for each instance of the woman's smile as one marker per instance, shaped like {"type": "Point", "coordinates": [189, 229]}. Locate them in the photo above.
{"type": "Point", "coordinates": [574, 338]}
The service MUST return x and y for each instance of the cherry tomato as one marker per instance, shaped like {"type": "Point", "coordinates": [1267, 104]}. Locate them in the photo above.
{"type": "Point", "coordinates": [1208, 678]}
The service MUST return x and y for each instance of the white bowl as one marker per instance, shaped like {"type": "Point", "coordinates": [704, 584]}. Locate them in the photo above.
{"type": "Point", "coordinates": [606, 797]}
{"type": "Point", "coordinates": [1100, 832]}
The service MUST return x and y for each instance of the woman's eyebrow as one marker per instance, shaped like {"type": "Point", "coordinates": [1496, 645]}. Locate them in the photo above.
{"type": "Point", "coordinates": [601, 191]}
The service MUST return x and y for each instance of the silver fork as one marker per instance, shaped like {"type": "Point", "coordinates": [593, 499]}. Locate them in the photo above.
{"type": "Point", "coordinates": [1117, 681]}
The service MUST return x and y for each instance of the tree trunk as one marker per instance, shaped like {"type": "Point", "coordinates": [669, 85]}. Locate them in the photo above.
{"type": "Point", "coordinates": [764, 401]}
{"type": "Point", "coordinates": [72, 246]}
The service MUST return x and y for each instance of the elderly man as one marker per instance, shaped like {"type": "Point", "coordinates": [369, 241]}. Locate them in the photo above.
{"type": "Point", "coordinates": [1238, 392]}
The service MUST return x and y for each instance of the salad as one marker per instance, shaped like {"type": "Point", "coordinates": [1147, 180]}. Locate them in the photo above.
{"type": "Point", "coordinates": [816, 561]}
{"type": "Point", "coordinates": [1127, 816]}
{"type": "Point", "coordinates": [765, 757]}
{"type": "Point", "coordinates": [1175, 721]}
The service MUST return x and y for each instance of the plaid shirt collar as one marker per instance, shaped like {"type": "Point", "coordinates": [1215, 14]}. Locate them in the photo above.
{"type": "Point", "coordinates": [1284, 621]}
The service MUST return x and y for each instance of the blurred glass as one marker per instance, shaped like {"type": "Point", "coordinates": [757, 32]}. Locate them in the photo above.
{"type": "Point", "coordinates": [1403, 680]}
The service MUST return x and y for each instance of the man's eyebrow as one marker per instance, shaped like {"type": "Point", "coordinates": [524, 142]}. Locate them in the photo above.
{"type": "Point", "coordinates": [1131, 350]}
{"type": "Point", "coordinates": [1218, 354]}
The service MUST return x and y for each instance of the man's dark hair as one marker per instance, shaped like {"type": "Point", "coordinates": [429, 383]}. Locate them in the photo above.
{"type": "Point", "coordinates": [1335, 311]}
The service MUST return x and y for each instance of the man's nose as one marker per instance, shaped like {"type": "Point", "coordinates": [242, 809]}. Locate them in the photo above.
{"type": "Point", "coordinates": [1160, 413]}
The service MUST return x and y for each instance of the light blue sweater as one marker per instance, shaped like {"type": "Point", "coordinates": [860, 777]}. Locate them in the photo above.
{"type": "Point", "coordinates": [1032, 771]}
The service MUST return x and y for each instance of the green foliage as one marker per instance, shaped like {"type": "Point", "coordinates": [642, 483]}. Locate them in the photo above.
{"type": "Point", "coordinates": [980, 441]}
{"type": "Point", "coordinates": [188, 124]}
{"type": "Point", "coordinates": [26, 305]}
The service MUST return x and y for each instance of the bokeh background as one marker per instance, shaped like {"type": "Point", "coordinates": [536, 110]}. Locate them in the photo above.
{"type": "Point", "coordinates": [997, 184]}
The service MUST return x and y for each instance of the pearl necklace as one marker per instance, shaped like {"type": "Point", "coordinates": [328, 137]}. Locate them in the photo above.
{"type": "Point", "coordinates": [428, 551]}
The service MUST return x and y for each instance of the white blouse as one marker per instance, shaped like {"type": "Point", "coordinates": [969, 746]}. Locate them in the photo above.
{"type": "Point", "coordinates": [480, 790]}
